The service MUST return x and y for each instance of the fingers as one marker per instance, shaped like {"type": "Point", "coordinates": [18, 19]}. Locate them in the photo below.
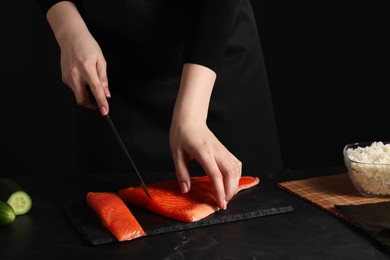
{"type": "Point", "coordinates": [211, 168]}
{"type": "Point", "coordinates": [231, 169]}
{"type": "Point", "coordinates": [97, 89]}
{"type": "Point", "coordinates": [224, 170]}
{"type": "Point", "coordinates": [182, 173]}
{"type": "Point", "coordinates": [93, 75]}
{"type": "Point", "coordinates": [102, 73]}
{"type": "Point", "coordinates": [199, 143]}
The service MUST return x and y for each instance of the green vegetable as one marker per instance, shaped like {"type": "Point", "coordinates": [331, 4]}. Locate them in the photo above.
{"type": "Point", "coordinates": [12, 193]}
{"type": "Point", "coordinates": [7, 214]}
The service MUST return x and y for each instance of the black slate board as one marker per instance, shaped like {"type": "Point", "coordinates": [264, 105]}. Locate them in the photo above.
{"type": "Point", "coordinates": [251, 203]}
{"type": "Point", "coordinates": [374, 218]}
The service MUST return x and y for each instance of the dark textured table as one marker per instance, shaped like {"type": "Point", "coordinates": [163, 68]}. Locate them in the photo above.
{"type": "Point", "coordinates": [306, 233]}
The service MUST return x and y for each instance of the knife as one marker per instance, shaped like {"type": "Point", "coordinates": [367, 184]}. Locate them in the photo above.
{"type": "Point", "coordinates": [119, 139]}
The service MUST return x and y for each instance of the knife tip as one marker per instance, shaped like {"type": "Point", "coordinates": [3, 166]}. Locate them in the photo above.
{"type": "Point", "coordinates": [148, 194]}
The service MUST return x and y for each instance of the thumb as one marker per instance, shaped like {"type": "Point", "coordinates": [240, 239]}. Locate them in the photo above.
{"type": "Point", "coordinates": [182, 173]}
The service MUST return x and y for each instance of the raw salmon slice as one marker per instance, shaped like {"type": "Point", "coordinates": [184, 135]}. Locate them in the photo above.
{"type": "Point", "coordinates": [115, 215]}
{"type": "Point", "coordinates": [167, 199]}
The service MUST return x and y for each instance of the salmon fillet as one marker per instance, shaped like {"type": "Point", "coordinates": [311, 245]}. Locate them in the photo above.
{"type": "Point", "coordinates": [115, 215]}
{"type": "Point", "coordinates": [167, 199]}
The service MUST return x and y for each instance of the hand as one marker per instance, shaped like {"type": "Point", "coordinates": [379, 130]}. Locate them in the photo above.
{"type": "Point", "coordinates": [82, 61]}
{"type": "Point", "coordinates": [190, 141]}
{"type": "Point", "coordinates": [82, 64]}
{"type": "Point", "coordinates": [190, 138]}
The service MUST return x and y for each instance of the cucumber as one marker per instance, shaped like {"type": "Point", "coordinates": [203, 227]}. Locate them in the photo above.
{"type": "Point", "coordinates": [7, 214]}
{"type": "Point", "coordinates": [12, 193]}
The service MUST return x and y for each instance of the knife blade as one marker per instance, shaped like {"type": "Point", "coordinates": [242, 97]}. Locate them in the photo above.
{"type": "Point", "coordinates": [119, 139]}
{"type": "Point", "coordinates": [122, 145]}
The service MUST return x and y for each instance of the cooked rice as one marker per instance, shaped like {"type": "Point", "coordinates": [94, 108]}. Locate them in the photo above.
{"type": "Point", "coordinates": [370, 168]}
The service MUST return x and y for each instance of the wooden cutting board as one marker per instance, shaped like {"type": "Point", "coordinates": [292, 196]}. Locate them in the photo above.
{"type": "Point", "coordinates": [328, 191]}
{"type": "Point", "coordinates": [251, 203]}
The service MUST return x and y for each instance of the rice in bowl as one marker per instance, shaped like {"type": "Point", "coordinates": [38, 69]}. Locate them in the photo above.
{"type": "Point", "coordinates": [369, 167]}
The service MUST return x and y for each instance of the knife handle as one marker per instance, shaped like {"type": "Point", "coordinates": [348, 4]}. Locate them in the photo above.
{"type": "Point", "coordinates": [93, 99]}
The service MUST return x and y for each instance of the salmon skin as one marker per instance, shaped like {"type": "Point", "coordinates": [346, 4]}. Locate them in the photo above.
{"type": "Point", "coordinates": [168, 200]}
{"type": "Point", "coordinates": [115, 215]}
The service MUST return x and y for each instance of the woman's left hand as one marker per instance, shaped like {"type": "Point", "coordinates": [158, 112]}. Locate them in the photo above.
{"type": "Point", "coordinates": [191, 139]}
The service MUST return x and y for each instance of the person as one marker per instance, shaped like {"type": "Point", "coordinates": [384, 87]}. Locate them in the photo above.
{"type": "Point", "coordinates": [185, 81]}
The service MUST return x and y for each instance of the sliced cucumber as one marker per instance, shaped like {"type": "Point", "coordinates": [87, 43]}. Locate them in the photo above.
{"type": "Point", "coordinates": [12, 193]}
{"type": "Point", "coordinates": [7, 214]}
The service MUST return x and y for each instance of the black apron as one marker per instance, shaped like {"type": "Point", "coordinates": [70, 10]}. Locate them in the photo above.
{"type": "Point", "coordinates": [143, 42]}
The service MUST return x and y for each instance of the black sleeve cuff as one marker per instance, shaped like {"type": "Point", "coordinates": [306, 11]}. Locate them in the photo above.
{"type": "Point", "coordinates": [209, 32]}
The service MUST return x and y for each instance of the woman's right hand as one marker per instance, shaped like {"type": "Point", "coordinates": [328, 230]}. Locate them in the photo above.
{"type": "Point", "coordinates": [82, 61]}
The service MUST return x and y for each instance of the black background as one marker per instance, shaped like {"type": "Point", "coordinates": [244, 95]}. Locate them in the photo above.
{"type": "Point", "coordinates": [328, 67]}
